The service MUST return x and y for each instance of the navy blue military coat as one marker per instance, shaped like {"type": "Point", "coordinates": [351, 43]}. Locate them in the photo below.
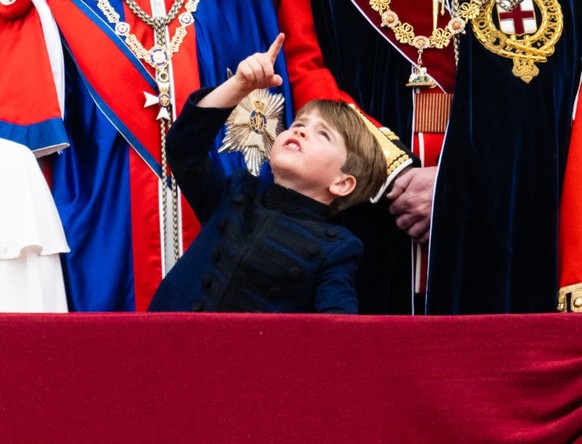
{"type": "Point", "coordinates": [262, 248]}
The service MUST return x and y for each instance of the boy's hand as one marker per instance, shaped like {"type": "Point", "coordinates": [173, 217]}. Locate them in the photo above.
{"type": "Point", "coordinates": [258, 70]}
{"type": "Point", "coordinates": [254, 72]}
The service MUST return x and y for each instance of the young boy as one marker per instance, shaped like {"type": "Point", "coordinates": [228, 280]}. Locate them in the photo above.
{"type": "Point", "coordinates": [267, 247]}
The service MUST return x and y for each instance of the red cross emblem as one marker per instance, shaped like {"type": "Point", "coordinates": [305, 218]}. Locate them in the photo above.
{"type": "Point", "coordinates": [522, 20]}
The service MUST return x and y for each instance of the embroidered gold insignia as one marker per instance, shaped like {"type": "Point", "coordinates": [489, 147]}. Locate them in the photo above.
{"type": "Point", "coordinates": [524, 43]}
{"type": "Point", "coordinates": [252, 127]}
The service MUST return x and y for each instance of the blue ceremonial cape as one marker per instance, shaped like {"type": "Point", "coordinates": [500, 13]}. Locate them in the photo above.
{"type": "Point", "coordinates": [91, 179]}
{"type": "Point", "coordinates": [494, 230]}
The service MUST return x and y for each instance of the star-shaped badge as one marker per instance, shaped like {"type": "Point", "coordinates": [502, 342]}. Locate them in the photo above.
{"type": "Point", "coordinates": [252, 127]}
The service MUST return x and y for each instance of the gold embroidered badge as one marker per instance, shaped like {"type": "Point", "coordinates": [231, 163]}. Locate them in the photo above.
{"type": "Point", "coordinates": [252, 127]}
{"type": "Point", "coordinates": [516, 34]}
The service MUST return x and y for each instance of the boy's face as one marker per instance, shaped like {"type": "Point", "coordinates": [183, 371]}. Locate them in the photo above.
{"type": "Point", "coordinates": [308, 158]}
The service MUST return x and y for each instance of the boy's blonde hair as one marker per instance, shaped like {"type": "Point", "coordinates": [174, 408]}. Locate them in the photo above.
{"type": "Point", "coordinates": [365, 160]}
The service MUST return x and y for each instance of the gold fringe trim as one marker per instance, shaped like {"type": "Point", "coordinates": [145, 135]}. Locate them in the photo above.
{"type": "Point", "coordinates": [570, 299]}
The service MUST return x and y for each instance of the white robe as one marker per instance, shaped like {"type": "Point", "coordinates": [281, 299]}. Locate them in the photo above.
{"type": "Point", "coordinates": [31, 236]}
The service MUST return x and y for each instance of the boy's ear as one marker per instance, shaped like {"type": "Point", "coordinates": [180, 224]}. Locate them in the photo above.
{"type": "Point", "coordinates": [344, 185]}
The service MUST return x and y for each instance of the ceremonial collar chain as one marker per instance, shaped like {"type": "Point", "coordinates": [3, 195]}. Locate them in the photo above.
{"type": "Point", "coordinates": [158, 57]}
{"type": "Point", "coordinates": [440, 37]}
{"type": "Point", "coordinates": [160, 54]}
{"type": "Point", "coordinates": [525, 48]}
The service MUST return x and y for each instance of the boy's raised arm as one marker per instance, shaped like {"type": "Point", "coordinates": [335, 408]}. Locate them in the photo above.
{"type": "Point", "coordinates": [255, 72]}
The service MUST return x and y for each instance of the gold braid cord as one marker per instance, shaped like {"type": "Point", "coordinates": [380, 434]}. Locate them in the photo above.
{"type": "Point", "coordinates": [570, 299]}
{"type": "Point", "coordinates": [528, 49]}
{"type": "Point", "coordinates": [174, 190]}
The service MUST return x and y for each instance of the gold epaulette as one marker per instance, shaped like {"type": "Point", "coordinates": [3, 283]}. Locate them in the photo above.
{"type": "Point", "coordinates": [395, 156]}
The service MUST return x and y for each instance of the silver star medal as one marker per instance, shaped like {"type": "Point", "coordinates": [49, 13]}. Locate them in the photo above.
{"type": "Point", "coordinates": [252, 127]}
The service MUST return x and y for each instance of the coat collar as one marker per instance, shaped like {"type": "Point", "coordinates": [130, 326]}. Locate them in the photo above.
{"type": "Point", "coordinates": [294, 204]}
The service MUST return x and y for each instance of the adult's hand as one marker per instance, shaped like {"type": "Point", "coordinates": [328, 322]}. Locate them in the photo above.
{"type": "Point", "coordinates": [411, 197]}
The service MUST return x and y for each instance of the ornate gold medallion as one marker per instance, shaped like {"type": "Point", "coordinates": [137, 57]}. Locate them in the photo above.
{"type": "Point", "coordinates": [524, 41]}
{"type": "Point", "coordinates": [252, 127]}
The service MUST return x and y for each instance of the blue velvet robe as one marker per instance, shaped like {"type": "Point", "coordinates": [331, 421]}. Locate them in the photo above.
{"type": "Point", "coordinates": [494, 229]}
{"type": "Point", "coordinates": [495, 220]}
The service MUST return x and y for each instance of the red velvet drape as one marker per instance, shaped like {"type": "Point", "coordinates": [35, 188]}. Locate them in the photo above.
{"type": "Point", "coordinates": [290, 378]}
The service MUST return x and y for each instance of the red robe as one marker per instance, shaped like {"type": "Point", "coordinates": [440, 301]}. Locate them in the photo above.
{"type": "Point", "coordinates": [570, 246]}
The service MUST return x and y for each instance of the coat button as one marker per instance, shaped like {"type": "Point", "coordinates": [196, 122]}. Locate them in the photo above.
{"type": "Point", "coordinates": [206, 281]}
{"type": "Point", "coordinates": [332, 233]}
{"type": "Point", "coordinates": [294, 272]}
{"type": "Point", "coordinates": [238, 198]}
{"type": "Point", "coordinates": [313, 250]}
{"type": "Point", "coordinates": [216, 255]}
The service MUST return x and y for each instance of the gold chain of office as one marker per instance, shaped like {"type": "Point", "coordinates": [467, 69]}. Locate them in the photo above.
{"type": "Point", "coordinates": [440, 37]}
{"type": "Point", "coordinates": [161, 53]}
